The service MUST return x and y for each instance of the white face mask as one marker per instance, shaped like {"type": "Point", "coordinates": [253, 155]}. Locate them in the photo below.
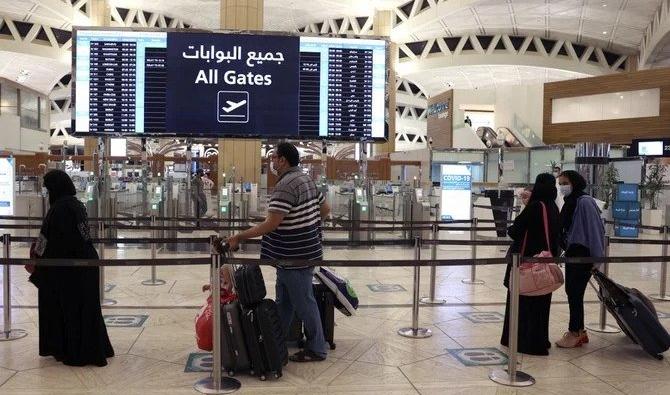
{"type": "Point", "coordinates": [272, 169]}
{"type": "Point", "coordinates": [565, 190]}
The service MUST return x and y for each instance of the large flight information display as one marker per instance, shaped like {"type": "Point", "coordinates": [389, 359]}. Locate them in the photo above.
{"type": "Point", "coordinates": [158, 83]}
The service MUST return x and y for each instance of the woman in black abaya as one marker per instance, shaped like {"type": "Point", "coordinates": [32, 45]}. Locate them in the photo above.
{"type": "Point", "coordinates": [71, 327]}
{"type": "Point", "coordinates": [534, 310]}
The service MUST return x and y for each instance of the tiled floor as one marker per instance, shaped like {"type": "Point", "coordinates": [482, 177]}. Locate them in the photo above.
{"type": "Point", "coordinates": [370, 356]}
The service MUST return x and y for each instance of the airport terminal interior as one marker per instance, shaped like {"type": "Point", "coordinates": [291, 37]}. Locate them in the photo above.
{"type": "Point", "coordinates": [424, 124]}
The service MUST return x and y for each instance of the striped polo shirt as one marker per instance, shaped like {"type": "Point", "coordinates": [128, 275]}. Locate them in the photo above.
{"type": "Point", "coordinates": [298, 236]}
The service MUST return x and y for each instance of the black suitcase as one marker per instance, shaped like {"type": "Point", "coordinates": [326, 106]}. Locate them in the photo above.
{"type": "Point", "coordinates": [326, 301]}
{"type": "Point", "coordinates": [234, 357]}
{"type": "Point", "coordinates": [265, 339]}
{"type": "Point", "coordinates": [249, 284]}
{"type": "Point", "coordinates": [635, 314]}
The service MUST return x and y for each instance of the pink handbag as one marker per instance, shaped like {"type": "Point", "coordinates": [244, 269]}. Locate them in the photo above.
{"type": "Point", "coordinates": [536, 279]}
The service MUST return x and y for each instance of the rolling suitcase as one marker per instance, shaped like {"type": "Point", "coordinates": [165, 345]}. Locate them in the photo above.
{"type": "Point", "coordinates": [325, 299]}
{"type": "Point", "coordinates": [265, 340]}
{"type": "Point", "coordinates": [234, 357]}
{"type": "Point", "coordinates": [635, 314]}
{"type": "Point", "coordinates": [249, 284]}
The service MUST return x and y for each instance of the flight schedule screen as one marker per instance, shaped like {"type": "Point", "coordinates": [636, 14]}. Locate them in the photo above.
{"type": "Point", "coordinates": [244, 85]}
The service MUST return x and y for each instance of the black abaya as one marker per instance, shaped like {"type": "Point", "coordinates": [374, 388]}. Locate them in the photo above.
{"type": "Point", "coordinates": [71, 326]}
{"type": "Point", "coordinates": [533, 310]}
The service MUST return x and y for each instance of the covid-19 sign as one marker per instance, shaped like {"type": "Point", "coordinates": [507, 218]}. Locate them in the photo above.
{"type": "Point", "coordinates": [456, 185]}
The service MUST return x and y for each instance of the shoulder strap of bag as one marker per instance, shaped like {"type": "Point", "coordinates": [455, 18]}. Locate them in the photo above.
{"type": "Point", "coordinates": [545, 220]}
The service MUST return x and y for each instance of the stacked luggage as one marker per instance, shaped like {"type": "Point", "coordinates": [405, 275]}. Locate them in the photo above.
{"type": "Point", "coordinates": [251, 333]}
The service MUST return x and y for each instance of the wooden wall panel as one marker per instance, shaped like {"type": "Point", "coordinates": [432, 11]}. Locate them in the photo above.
{"type": "Point", "coordinates": [619, 131]}
{"type": "Point", "coordinates": [439, 126]}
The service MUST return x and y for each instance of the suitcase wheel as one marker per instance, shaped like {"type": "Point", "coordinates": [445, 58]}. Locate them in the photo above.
{"type": "Point", "coordinates": [659, 357]}
{"type": "Point", "coordinates": [262, 377]}
{"type": "Point", "coordinates": [231, 373]}
{"type": "Point", "coordinates": [277, 376]}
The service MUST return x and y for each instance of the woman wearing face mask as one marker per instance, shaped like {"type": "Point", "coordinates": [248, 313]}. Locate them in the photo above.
{"type": "Point", "coordinates": [528, 235]}
{"type": "Point", "coordinates": [582, 235]}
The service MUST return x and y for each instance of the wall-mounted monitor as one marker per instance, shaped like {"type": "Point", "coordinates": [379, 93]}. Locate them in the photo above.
{"type": "Point", "coordinates": [184, 83]}
{"type": "Point", "coordinates": [648, 147]}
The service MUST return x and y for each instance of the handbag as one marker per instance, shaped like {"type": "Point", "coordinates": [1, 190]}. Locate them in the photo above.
{"type": "Point", "coordinates": [536, 279]}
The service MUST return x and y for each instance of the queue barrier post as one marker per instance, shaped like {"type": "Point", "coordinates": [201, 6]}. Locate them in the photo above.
{"type": "Point", "coordinates": [153, 280]}
{"type": "Point", "coordinates": [433, 269]}
{"type": "Point", "coordinates": [664, 268]}
{"type": "Point", "coordinates": [473, 251]}
{"type": "Point", "coordinates": [511, 376]}
{"type": "Point", "coordinates": [601, 326]}
{"type": "Point", "coordinates": [414, 331]}
{"type": "Point", "coordinates": [101, 278]}
{"type": "Point", "coordinates": [216, 383]}
{"type": "Point", "coordinates": [7, 332]}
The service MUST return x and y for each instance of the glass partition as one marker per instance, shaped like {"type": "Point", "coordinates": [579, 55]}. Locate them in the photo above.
{"type": "Point", "coordinates": [492, 166]}
{"type": "Point", "coordinates": [29, 110]}
{"type": "Point", "coordinates": [569, 154]}
{"type": "Point", "coordinates": [542, 160]}
{"type": "Point", "coordinates": [515, 166]}
{"type": "Point", "coordinates": [8, 100]}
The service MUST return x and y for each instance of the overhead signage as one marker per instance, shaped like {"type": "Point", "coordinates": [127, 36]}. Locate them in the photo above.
{"type": "Point", "coordinates": [456, 185]}
{"type": "Point", "coordinates": [167, 83]}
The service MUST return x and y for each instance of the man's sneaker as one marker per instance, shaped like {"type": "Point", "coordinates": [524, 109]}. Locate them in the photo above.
{"type": "Point", "coordinates": [572, 340]}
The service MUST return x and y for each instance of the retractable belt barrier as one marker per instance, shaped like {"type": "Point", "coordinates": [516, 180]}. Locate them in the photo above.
{"type": "Point", "coordinates": [510, 376]}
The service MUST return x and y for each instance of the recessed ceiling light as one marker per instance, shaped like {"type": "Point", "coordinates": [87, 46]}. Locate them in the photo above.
{"type": "Point", "coordinates": [605, 32]}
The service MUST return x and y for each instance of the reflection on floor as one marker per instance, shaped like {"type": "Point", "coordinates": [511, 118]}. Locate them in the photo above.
{"type": "Point", "coordinates": [152, 329]}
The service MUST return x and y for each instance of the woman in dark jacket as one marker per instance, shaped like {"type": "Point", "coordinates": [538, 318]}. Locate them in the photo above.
{"type": "Point", "coordinates": [534, 310]}
{"type": "Point", "coordinates": [582, 235]}
{"type": "Point", "coordinates": [71, 327]}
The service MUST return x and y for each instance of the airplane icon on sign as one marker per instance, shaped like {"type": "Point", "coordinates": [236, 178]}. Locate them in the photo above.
{"type": "Point", "coordinates": [231, 105]}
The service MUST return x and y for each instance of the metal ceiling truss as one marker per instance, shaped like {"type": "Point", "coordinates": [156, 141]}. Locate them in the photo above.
{"type": "Point", "coordinates": [362, 25]}
{"type": "Point", "coordinates": [34, 39]}
{"type": "Point", "coordinates": [124, 17]}
{"type": "Point", "coordinates": [656, 36]}
{"type": "Point", "coordinates": [507, 49]}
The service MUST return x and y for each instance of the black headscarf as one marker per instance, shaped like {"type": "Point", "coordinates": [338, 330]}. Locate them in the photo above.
{"type": "Point", "coordinates": [570, 202]}
{"type": "Point", "coordinates": [544, 189]}
{"type": "Point", "coordinates": [59, 184]}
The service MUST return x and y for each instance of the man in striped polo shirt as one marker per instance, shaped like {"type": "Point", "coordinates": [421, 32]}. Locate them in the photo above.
{"type": "Point", "coordinates": [292, 230]}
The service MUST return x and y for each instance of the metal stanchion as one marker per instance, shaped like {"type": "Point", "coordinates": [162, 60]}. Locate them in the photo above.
{"type": "Point", "coordinates": [433, 269]}
{"type": "Point", "coordinates": [473, 269]}
{"type": "Point", "coordinates": [511, 376]}
{"type": "Point", "coordinates": [7, 332]}
{"type": "Point", "coordinates": [103, 301]}
{"type": "Point", "coordinates": [153, 280]}
{"type": "Point", "coordinates": [602, 326]}
{"type": "Point", "coordinates": [416, 332]}
{"type": "Point", "coordinates": [216, 384]}
{"type": "Point", "coordinates": [664, 268]}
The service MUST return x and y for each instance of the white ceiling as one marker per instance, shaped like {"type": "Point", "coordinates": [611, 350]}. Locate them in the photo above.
{"type": "Point", "coordinates": [619, 24]}
{"type": "Point", "coordinates": [282, 15]}
{"type": "Point", "coordinates": [44, 72]}
{"type": "Point", "coordinates": [486, 77]}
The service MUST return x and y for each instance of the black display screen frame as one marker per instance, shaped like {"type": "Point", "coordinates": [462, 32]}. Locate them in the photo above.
{"type": "Point", "coordinates": [195, 134]}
